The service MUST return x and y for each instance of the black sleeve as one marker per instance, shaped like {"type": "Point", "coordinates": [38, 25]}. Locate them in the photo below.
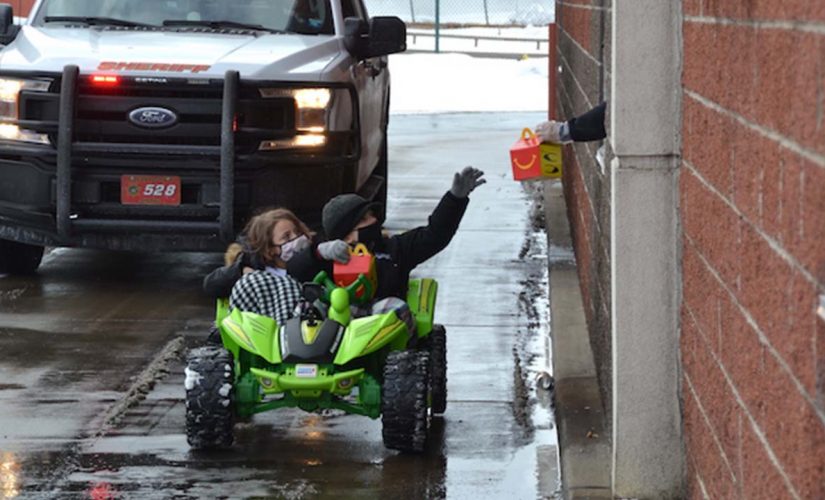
{"type": "Point", "coordinates": [417, 245]}
{"type": "Point", "coordinates": [589, 126]}
{"type": "Point", "coordinates": [218, 284]}
{"type": "Point", "coordinates": [305, 265]}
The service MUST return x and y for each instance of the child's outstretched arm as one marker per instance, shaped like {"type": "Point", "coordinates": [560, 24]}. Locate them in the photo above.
{"type": "Point", "coordinates": [417, 245]}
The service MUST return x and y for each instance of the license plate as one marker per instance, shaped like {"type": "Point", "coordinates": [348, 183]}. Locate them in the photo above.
{"type": "Point", "coordinates": [306, 371]}
{"type": "Point", "coordinates": [149, 190]}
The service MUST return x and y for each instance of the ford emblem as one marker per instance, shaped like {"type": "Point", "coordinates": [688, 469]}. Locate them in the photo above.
{"type": "Point", "coordinates": [151, 117]}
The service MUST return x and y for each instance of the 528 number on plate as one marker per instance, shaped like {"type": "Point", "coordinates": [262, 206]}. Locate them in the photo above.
{"type": "Point", "coordinates": [149, 190]}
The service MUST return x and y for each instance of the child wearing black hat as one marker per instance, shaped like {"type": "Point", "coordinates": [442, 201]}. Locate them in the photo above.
{"type": "Point", "coordinates": [349, 219]}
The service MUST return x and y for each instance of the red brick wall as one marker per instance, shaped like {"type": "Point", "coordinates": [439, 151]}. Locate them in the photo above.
{"type": "Point", "coordinates": [583, 31]}
{"type": "Point", "coordinates": [753, 214]}
{"type": "Point", "coordinates": [21, 7]}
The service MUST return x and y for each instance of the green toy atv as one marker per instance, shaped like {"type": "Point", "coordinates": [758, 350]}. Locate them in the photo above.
{"type": "Point", "coordinates": [323, 359]}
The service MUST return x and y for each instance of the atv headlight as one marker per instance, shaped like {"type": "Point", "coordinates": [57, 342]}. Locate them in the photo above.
{"type": "Point", "coordinates": [10, 89]}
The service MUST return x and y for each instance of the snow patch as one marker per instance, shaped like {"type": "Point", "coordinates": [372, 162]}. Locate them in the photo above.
{"type": "Point", "coordinates": [193, 378]}
{"type": "Point", "coordinates": [457, 83]}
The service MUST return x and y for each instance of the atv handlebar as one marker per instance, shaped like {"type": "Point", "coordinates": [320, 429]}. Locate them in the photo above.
{"type": "Point", "coordinates": [323, 279]}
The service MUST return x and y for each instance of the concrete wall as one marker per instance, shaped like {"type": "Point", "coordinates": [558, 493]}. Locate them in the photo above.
{"type": "Point", "coordinates": [584, 81]}
{"type": "Point", "coordinates": [753, 210]}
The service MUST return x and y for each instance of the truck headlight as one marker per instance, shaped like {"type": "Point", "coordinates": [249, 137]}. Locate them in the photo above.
{"type": "Point", "coordinates": [10, 89]}
{"type": "Point", "coordinates": [312, 106]}
{"type": "Point", "coordinates": [312, 98]}
{"type": "Point", "coordinates": [311, 109]}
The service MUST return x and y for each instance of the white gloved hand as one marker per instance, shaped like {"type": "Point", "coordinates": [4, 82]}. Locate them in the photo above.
{"type": "Point", "coordinates": [336, 250]}
{"type": "Point", "coordinates": [550, 131]}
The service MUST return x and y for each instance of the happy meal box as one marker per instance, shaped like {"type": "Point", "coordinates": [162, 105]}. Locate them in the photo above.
{"type": "Point", "coordinates": [361, 261]}
{"type": "Point", "coordinates": [531, 159]}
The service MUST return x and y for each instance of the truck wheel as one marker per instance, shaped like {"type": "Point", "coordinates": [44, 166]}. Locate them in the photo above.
{"type": "Point", "coordinates": [19, 258]}
{"type": "Point", "coordinates": [404, 400]}
{"type": "Point", "coordinates": [210, 398]}
{"type": "Point", "coordinates": [438, 369]}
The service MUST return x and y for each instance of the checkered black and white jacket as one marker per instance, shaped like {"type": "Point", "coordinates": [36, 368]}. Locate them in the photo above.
{"type": "Point", "coordinates": [266, 294]}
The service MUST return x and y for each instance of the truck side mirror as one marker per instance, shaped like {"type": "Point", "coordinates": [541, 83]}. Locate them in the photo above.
{"type": "Point", "coordinates": [387, 35]}
{"type": "Point", "coordinates": [381, 37]}
{"type": "Point", "coordinates": [8, 30]}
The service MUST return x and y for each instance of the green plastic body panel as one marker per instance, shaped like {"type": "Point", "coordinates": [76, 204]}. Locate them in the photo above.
{"type": "Point", "coordinates": [311, 394]}
{"type": "Point", "coordinates": [229, 342]}
{"type": "Point", "coordinates": [367, 335]}
{"type": "Point", "coordinates": [339, 307]}
{"type": "Point", "coordinates": [335, 383]}
{"type": "Point", "coordinates": [421, 296]}
{"type": "Point", "coordinates": [254, 333]}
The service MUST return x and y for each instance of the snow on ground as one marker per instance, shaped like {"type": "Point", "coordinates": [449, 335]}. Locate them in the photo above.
{"type": "Point", "coordinates": [455, 83]}
{"type": "Point", "coordinates": [488, 41]}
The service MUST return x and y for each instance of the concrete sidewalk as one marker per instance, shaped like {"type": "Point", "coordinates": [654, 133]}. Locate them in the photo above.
{"type": "Point", "coordinates": [583, 441]}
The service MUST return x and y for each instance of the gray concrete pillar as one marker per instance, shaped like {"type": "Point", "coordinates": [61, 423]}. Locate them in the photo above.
{"type": "Point", "coordinates": [645, 128]}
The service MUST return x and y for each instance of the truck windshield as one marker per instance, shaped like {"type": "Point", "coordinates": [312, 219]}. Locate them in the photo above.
{"type": "Point", "coordinates": [308, 17]}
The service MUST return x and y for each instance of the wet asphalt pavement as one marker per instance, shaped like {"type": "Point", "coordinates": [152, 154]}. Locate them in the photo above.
{"type": "Point", "coordinates": [91, 381]}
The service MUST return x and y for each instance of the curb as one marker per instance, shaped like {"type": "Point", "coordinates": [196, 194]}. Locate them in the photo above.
{"type": "Point", "coordinates": [584, 446]}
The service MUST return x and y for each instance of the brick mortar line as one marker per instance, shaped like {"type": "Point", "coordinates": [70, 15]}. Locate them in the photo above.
{"type": "Point", "coordinates": [575, 80]}
{"type": "Point", "coordinates": [702, 487]}
{"type": "Point", "coordinates": [710, 426]}
{"type": "Point", "coordinates": [775, 245]}
{"type": "Point", "coordinates": [577, 44]}
{"type": "Point", "coordinates": [804, 26]}
{"type": "Point", "coordinates": [754, 424]}
{"type": "Point", "coordinates": [763, 339]}
{"type": "Point", "coordinates": [783, 141]}
{"type": "Point", "coordinates": [582, 6]}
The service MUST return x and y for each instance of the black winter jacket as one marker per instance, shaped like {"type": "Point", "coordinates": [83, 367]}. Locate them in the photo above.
{"type": "Point", "coordinates": [397, 256]}
{"type": "Point", "coordinates": [589, 126]}
{"type": "Point", "coordinates": [218, 284]}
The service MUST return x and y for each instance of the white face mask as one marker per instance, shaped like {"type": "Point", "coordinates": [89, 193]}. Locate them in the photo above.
{"type": "Point", "coordinates": [294, 246]}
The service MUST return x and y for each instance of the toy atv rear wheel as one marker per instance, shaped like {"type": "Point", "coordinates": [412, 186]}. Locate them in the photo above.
{"type": "Point", "coordinates": [19, 258]}
{"type": "Point", "coordinates": [404, 400]}
{"type": "Point", "coordinates": [210, 398]}
{"type": "Point", "coordinates": [437, 345]}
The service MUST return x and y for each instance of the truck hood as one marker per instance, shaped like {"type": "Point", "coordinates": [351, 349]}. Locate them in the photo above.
{"type": "Point", "coordinates": [166, 53]}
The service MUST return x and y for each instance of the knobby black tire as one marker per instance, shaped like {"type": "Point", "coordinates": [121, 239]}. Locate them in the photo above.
{"type": "Point", "coordinates": [438, 369]}
{"type": "Point", "coordinates": [404, 400]}
{"type": "Point", "coordinates": [210, 398]}
{"type": "Point", "coordinates": [19, 258]}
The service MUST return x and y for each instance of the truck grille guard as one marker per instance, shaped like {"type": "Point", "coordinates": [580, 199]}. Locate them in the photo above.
{"type": "Point", "coordinates": [66, 147]}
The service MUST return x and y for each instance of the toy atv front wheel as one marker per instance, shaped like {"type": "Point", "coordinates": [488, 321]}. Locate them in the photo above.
{"type": "Point", "coordinates": [437, 345]}
{"type": "Point", "coordinates": [210, 412]}
{"type": "Point", "coordinates": [404, 400]}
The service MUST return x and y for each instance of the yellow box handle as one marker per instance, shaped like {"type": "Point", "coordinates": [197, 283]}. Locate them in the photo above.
{"type": "Point", "coordinates": [527, 133]}
{"type": "Point", "coordinates": [360, 249]}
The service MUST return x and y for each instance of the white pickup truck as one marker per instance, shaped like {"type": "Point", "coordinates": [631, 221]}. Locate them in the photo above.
{"type": "Point", "coordinates": [164, 124]}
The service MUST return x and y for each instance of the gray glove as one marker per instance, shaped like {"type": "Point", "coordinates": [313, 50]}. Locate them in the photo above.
{"type": "Point", "coordinates": [466, 181]}
{"type": "Point", "coordinates": [555, 132]}
{"type": "Point", "coordinates": [336, 250]}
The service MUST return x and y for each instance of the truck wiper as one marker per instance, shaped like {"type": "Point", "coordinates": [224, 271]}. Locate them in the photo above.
{"type": "Point", "coordinates": [219, 25]}
{"type": "Point", "coordinates": [96, 21]}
